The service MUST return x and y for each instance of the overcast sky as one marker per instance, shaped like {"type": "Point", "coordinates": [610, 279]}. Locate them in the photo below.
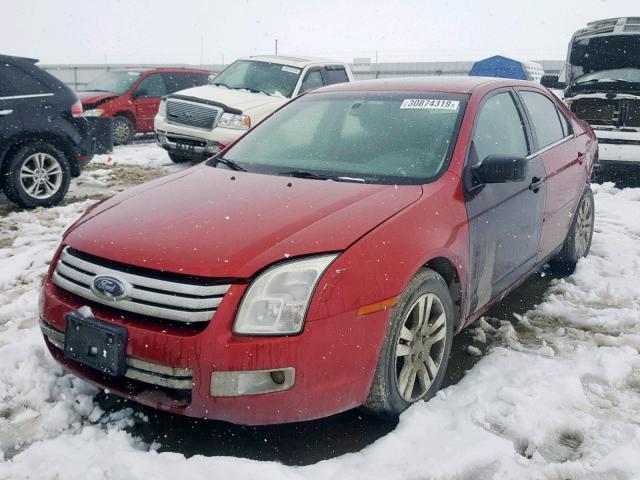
{"type": "Point", "coordinates": [186, 31]}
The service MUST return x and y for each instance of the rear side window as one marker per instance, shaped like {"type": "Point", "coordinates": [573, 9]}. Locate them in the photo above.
{"type": "Point", "coordinates": [151, 87]}
{"type": "Point", "coordinates": [15, 82]}
{"type": "Point", "coordinates": [181, 81]}
{"type": "Point", "coordinates": [499, 129]}
{"type": "Point", "coordinates": [336, 75]}
{"type": "Point", "coordinates": [313, 79]}
{"type": "Point", "coordinates": [545, 118]}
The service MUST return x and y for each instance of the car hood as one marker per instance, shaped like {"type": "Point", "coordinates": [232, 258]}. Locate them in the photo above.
{"type": "Point", "coordinates": [242, 100]}
{"type": "Point", "coordinates": [88, 98]}
{"type": "Point", "coordinates": [219, 223]}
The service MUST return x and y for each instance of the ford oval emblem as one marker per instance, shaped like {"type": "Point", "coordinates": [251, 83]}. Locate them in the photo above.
{"type": "Point", "coordinates": [109, 288]}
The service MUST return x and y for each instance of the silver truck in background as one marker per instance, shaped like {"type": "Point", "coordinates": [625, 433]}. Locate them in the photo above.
{"type": "Point", "coordinates": [601, 83]}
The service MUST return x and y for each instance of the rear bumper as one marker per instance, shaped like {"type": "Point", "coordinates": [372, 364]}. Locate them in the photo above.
{"type": "Point", "coordinates": [333, 359]}
{"type": "Point", "coordinates": [618, 147]}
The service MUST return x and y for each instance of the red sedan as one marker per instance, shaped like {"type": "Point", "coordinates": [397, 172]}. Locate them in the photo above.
{"type": "Point", "coordinates": [326, 260]}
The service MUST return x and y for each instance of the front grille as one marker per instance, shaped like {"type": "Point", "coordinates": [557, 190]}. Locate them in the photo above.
{"type": "Point", "coordinates": [192, 114]}
{"type": "Point", "coordinates": [165, 298]}
{"type": "Point", "coordinates": [623, 112]}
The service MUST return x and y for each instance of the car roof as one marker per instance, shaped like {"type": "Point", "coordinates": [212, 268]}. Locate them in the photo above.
{"type": "Point", "coordinates": [8, 58]}
{"type": "Point", "coordinates": [299, 62]}
{"type": "Point", "coordinates": [159, 70]}
{"type": "Point", "coordinates": [445, 84]}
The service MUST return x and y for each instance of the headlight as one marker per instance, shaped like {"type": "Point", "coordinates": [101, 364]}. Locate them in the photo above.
{"type": "Point", "coordinates": [162, 109]}
{"type": "Point", "coordinates": [239, 122]}
{"type": "Point", "coordinates": [276, 303]}
{"type": "Point", "coordinates": [96, 112]}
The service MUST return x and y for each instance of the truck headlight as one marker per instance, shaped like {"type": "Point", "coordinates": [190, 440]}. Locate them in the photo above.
{"type": "Point", "coordinates": [94, 112]}
{"type": "Point", "coordinates": [276, 302]}
{"type": "Point", "coordinates": [238, 122]}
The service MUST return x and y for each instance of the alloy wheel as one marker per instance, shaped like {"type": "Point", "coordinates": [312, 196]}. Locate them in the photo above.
{"type": "Point", "coordinates": [421, 346]}
{"type": "Point", "coordinates": [121, 131]}
{"type": "Point", "coordinates": [584, 226]}
{"type": "Point", "coordinates": [41, 175]}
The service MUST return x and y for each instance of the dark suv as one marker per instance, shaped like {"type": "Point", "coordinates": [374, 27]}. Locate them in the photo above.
{"type": "Point", "coordinates": [44, 140]}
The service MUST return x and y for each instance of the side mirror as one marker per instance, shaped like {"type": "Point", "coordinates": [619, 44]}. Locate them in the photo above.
{"type": "Point", "coordinates": [140, 93]}
{"type": "Point", "coordinates": [551, 81]}
{"type": "Point", "coordinates": [501, 169]}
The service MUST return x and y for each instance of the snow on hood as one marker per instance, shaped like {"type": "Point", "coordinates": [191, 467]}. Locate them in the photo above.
{"type": "Point", "coordinates": [240, 99]}
{"type": "Point", "coordinates": [218, 223]}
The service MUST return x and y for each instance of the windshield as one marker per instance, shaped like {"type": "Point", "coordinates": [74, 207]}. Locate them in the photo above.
{"type": "Point", "coordinates": [116, 82]}
{"type": "Point", "coordinates": [373, 137]}
{"type": "Point", "coordinates": [260, 77]}
{"type": "Point", "coordinates": [604, 61]}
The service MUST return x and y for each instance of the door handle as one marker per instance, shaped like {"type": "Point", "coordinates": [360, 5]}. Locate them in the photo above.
{"type": "Point", "coordinates": [5, 112]}
{"type": "Point", "coordinates": [535, 184]}
{"type": "Point", "coordinates": [580, 158]}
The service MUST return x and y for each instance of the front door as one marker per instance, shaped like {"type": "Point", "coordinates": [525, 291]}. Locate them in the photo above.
{"type": "Point", "coordinates": [504, 218]}
{"type": "Point", "coordinates": [146, 98]}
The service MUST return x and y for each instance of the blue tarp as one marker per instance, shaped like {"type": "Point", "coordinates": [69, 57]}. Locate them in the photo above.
{"type": "Point", "coordinates": [499, 66]}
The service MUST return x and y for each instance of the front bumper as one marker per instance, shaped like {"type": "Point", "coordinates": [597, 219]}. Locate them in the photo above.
{"type": "Point", "coordinates": [618, 147]}
{"type": "Point", "coordinates": [334, 360]}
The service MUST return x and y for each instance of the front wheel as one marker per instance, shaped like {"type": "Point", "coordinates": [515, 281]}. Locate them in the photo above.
{"type": "Point", "coordinates": [123, 130]}
{"type": "Point", "coordinates": [38, 175]}
{"type": "Point", "coordinates": [416, 349]}
{"type": "Point", "coordinates": [578, 241]}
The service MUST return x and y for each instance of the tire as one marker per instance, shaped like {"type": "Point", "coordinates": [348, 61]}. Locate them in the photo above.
{"type": "Point", "coordinates": [404, 375]}
{"type": "Point", "coordinates": [578, 241]}
{"type": "Point", "coordinates": [123, 130]}
{"type": "Point", "coordinates": [37, 175]}
{"type": "Point", "coordinates": [178, 158]}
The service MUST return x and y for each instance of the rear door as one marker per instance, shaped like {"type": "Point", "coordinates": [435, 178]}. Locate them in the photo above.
{"type": "Point", "coordinates": [146, 98]}
{"type": "Point", "coordinates": [562, 155]}
{"type": "Point", "coordinates": [10, 119]}
{"type": "Point", "coordinates": [504, 218]}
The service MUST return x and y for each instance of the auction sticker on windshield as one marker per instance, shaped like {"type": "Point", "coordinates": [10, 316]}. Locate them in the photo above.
{"type": "Point", "coordinates": [430, 104]}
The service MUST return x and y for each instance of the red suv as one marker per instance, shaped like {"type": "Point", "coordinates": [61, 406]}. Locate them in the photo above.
{"type": "Point", "coordinates": [325, 260]}
{"type": "Point", "coordinates": [132, 96]}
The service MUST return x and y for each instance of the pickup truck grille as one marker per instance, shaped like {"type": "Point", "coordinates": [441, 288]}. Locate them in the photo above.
{"type": "Point", "coordinates": [611, 112]}
{"type": "Point", "coordinates": [192, 114]}
{"type": "Point", "coordinates": [148, 295]}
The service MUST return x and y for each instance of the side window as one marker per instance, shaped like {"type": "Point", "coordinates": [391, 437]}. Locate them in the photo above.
{"type": "Point", "coordinates": [313, 79]}
{"type": "Point", "coordinates": [499, 129]}
{"type": "Point", "coordinates": [336, 75]}
{"type": "Point", "coordinates": [16, 82]}
{"type": "Point", "coordinates": [151, 87]}
{"type": "Point", "coordinates": [180, 81]}
{"type": "Point", "coordinates": [566, 126]}
{"type": "Point", "coordinates": [544, 116]}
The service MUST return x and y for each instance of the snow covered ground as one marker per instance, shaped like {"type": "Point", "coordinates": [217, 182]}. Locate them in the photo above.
{"type": "Point", "coordinates": [557, 396]}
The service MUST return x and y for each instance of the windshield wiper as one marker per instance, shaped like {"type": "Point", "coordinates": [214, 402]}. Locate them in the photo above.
{"type": "Point", "coordinates": [228, 163]}
{"type": "Point", "coordinates": [316, 176]}
{"type": "Point", "coordinates": [221, 85]}
{"type": "Point", "coordinates": [603, 80]}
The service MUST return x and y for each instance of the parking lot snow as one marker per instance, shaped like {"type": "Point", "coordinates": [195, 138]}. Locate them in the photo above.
{"type": "Point", "coordinates": [558, 397]}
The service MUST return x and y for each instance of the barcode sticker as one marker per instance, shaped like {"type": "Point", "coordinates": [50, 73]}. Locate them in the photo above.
{"type": "Point", "coordinates": [430, 104]}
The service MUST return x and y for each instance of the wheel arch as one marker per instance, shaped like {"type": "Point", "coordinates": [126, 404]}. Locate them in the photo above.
{"type": "Point", "coordinates": [448, 271]}
{"type": "Point", "coordinates": [58, 141]}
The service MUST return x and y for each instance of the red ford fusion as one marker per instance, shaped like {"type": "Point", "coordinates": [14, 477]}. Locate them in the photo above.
{"type": "Point", "coordinates": [326, 260]}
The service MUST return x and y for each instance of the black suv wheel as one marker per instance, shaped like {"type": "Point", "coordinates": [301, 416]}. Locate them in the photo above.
{"type": "Point", "coordinates": [37, 175]}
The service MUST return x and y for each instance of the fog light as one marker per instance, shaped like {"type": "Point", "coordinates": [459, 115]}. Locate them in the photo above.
{"type": "Point", "coordinates": [253, 382]}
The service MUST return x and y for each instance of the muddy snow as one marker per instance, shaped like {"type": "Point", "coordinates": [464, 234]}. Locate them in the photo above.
{"type": "Point", "coordinates": [556, 393]}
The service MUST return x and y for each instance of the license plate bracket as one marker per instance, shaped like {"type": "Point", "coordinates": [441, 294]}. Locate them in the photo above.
{"type": "Point", "coordinates": [96, 344]}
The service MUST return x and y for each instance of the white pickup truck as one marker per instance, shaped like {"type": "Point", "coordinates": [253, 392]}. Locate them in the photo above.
{"type": "Point", "coordinates": [195, 123]}
{"type": "Point", "coordinates": [602, 86]}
